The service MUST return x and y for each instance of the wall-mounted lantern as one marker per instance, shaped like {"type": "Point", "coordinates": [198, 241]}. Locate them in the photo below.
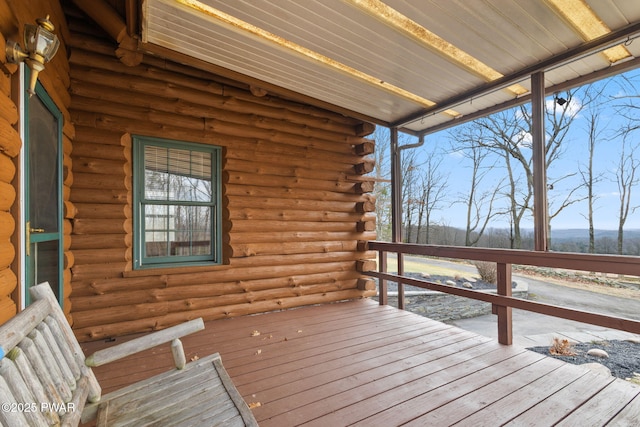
{"type": "Point", "coordinates": [40, 45]}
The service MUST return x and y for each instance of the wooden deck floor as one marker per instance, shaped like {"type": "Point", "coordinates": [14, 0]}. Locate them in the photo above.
{"type": "Point", "coordinates": [362, 364]}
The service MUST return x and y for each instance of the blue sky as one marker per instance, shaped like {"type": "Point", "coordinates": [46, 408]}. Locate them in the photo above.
{"type": "Point", "coordinates": [574, 157]}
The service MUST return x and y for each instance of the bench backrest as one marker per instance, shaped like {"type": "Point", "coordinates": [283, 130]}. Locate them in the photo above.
{"type": "Point", "coordinates": [43, 377]}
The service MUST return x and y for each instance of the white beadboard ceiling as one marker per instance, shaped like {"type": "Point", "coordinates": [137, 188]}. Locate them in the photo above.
{"type": "Point", "coordinates": [345, 53]}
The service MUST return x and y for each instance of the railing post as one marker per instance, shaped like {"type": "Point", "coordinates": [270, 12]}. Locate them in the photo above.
{"type": "Point", "coordinates": [400, 284]}
{"type": "Point", "coordinates": [382, 283]}
{"type": "Point", "coordinates": [505, 324]}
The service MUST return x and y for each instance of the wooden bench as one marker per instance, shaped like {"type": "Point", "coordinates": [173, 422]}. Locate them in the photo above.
{"type": "Point", "coordinates": [46, 380]}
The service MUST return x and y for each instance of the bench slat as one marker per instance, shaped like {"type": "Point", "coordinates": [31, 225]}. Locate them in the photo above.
{"type": "Point", "coordinates": [10, 418]}
{"type": "Point", "coordinates": [234, 394]}
{"type": "Point", "coordinates": [72, 361]}
{"type": "Point", "coordinates": [224, 410]}
{"type": "Point", "coordinates": [60, 360]}
{"type": "Point", "coordinates": [72, 417]}
{"type": "Point", "coordinates": [44, 292]}
{"type": "Point", "coordinates": [147, 400]}
{"type": "Point", "coordinates": [199, 391]}
{"type": "Point", "coordinates": [174, 376]}
{"type": "Point", "coordinates": [40, 369]}
{"type": "Point", "coordinates": [16, 328]}
{"type": "Point", "coordinates": [206, 398]}
{"type": "Point", "coordinates": [52, 367]}
{"type": "Point", "coordinates": [21, 392]}
{"type": "Point", "coordinates": [32, 381]}
{"type": "Point", "coordinates": [146, 342]}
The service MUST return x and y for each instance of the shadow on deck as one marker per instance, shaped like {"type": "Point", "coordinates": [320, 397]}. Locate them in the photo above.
{"type": "Point", "coordinates": [360, 363]}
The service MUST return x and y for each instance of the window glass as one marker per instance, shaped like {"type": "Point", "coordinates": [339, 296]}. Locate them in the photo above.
{"type": "Point", "coordinates": [177, 208]}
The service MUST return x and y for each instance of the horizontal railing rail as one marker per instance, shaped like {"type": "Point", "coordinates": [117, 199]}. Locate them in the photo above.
{"type": "Point", "coordinates": [503, 302]}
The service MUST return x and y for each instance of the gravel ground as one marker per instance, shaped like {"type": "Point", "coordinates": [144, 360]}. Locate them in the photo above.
{"type": "Point", "coordinates": [624, 356]}
{"type": "Point", "coordinates": [623, 361]}
{"type": "Point", "coordinates": [459, 281]}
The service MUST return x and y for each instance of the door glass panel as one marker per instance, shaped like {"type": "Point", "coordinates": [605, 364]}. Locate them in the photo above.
{"type": "Point", "coordinates": [43, 167]}
{"type": "Point", "coordinates": [44, 257]}
{"type": "Point", "coordinates": [43, 213]}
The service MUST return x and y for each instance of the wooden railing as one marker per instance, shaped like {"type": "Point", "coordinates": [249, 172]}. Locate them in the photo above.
{"type": "Point", "coordinates": [503, 302]}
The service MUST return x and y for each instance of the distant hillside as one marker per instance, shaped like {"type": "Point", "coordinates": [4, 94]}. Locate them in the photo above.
{"type": "Point", "coordinates": [562, 240]}
{"type": "Point", "coordinates": [578, 234]}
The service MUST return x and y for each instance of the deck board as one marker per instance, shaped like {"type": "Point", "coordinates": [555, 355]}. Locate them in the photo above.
{"type": "Point", "coordinates": [327, 370]}
{"type": "Point", "coordinates": [510, 406]}
{"type": "Point", "coordinates": [600, 408]}
{"type": "Point", "coordinates": [353, 395]}
{"type": "Point", "coordinates": [323, 385]}
{"type": "Point", "coordinates": [434, 394]}
{"type": "Point", "coordinates": [563, 402]}
{"type": "Point", "coordinates": [456, 408]}
{"type": "Point", "coordinates": [323, 348]}
{"type": "Point", "coordinates": [359, 363]}
{"type": "Point", "coordinates": [629, 415]}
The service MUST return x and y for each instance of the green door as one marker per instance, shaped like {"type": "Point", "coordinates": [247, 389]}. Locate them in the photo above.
{"type": "Point", "coordinates": [43, 195]}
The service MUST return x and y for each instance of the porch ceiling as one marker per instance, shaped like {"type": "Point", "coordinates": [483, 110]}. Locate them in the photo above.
{"type": "Point", "coordinates": [415, 64]}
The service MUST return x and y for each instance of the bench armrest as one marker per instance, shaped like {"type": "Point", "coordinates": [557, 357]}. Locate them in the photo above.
{"type": "Point", "coordinates": [146, 342]}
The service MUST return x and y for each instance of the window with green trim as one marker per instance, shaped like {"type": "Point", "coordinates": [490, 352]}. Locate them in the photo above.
{"type": "Point", "coordinates": [176, 203]}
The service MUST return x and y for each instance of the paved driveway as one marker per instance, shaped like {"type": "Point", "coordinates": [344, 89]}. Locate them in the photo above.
{"type": "Point", "coordinates": [537, 329]}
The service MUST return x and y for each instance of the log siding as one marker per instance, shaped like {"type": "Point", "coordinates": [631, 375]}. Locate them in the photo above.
{"type": "Point", "coordinates": [10, 144]}
{"type": "Point", "coordinates": [295, 202]}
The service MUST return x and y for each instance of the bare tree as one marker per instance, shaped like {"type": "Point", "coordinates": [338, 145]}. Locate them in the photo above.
{"type": "Point", "coordinates": [589, 177]}
{"type": "Point", "coordinates": [508, 134]}
{"type": "Point", "coordinates": [479, 203]}
{"type": "Point", "coordinates": [567, 199]}
{"type": "Point", "coordinates": [422, 189]}
{"type": "Point", "coordinates": [382, 187]}
{"type": "Point", "coordinates": [480, 208]}
{"type": "Point", "coordinates": [626, 177]}
{"type": "Point", "coordinates": [519, 201]}
{"type": "Point", "coordinates": [432, 188]}
{"type": "Point", "coordinates": [498, 134]}
{"type": "Point", "coordinates": [628, 105]}
{"type": "Point", "coordinates": [410, 175]}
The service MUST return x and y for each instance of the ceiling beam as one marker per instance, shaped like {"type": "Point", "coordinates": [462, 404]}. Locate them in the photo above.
{"type": "Point", "coordinates": [112, 23]}
{"type": "Point", "coordinates": [586, 49]}
{"type": "Point", "coordinates": [582, 80]}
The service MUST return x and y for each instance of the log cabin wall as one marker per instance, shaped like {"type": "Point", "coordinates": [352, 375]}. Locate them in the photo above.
{"type": "Point", "coordinates": [55, 79]}
{"type": "Point", "coordinates": [296, 214]}
{"type": "Point", "coordinates": [10, 144]}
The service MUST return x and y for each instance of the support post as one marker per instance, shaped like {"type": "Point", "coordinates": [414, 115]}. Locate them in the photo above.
{"type": "Point", "coordinates": [505, 324]}
{"type": "Point", "coordinates": [383, 297]}
{"type": "Point", "coordinates": [396, 207]}
{"type": "Point", "coordinates": [400, 284]}
{"type": "Point", "coordinates": [540, 208]}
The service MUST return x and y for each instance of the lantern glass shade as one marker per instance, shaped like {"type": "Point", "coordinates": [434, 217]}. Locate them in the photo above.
{"type": "Point", "coordinates": [40, 41]}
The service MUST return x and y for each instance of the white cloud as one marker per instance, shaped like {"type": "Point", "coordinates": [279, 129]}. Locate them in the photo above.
{"type": "Point", "coordinates": [609, 194]}
{"type": "Point", "coordinates": [572, 107]}
{"type": "Point", "coordinates": [524, 139]}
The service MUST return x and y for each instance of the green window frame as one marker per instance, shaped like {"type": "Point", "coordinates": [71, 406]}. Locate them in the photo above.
{"type": "Point", "coordinates": [176, 203]}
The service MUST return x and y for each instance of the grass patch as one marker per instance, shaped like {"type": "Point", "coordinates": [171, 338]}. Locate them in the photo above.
{"type": "Point", "coordinates": [411, 266]}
